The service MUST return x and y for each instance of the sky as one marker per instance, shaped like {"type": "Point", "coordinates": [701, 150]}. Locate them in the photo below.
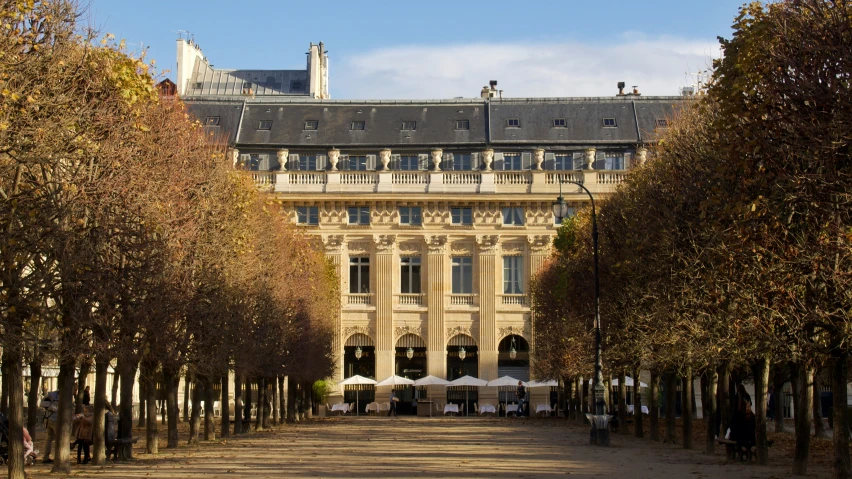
{"type": "Point", "coordinates": [440, 48]}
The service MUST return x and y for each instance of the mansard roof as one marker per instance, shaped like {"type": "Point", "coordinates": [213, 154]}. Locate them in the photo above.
{"type": "Point", "coordinates": [281, 122]}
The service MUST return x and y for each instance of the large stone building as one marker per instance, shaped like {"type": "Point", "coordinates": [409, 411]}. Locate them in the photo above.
{"type": "Point", "coordinates": [437, 213]}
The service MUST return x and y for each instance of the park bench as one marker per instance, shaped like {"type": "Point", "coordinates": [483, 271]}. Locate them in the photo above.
{"type": "Point", "coordinates": [742, 452]}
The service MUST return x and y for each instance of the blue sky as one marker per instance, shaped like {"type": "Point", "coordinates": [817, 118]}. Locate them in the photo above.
{"type": "Point", "coordinates": [441, 48]}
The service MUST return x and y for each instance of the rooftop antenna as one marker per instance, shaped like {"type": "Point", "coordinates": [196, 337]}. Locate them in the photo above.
{"type": "Point", "coordinates": [181, 33]}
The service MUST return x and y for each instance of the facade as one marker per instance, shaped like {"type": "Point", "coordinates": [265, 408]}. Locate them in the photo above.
{"type": "Point", "coordinates": [437, 213]}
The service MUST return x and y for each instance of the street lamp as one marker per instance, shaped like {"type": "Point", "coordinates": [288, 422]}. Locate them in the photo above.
{"type": "Point", "coordinates": [513, 352]}
{"type": "Point", "coordinates": [358, 352]}
{"type": "Point", "coordinates": [599, 423]}
{"type": "Point", "coordinates": [409, 353]}
{"type": "Point", "coordinates": [462, 353]}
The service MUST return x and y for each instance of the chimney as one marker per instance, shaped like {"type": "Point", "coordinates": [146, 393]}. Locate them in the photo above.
{"type": "Point", "coordinates": [485, 93]}
{"type": "Point", "coordinates": [636, 90]}
{"type": "Point", "coordinates": [621, 88]}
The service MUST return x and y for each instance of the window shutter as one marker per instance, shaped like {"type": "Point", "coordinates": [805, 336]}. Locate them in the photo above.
{"type": "Point", "coordinates": [579, 158]}
{"type": "Point", "coordinates": [526, 160]}
{"type": "Point", "coordinates": [343, 163]}
{"type": "Point", "coordinates": [447, 161]}
{"type": "Point", "coordinates": [423, 161]}
{"type": "Point", "coordinates": [394, 162]}
{"type": "Point", "coordinates": [600, 160]}
{"type": "Point", "coordinates": [549, 161]}
{"type": "Point", "coordinates": [263, 163]}
{"type": "Point", "coordinates": [371, 162]}
{"type": "Point", "coordinates": [628, 160]}
{"type": "Point", "coordinates": [293, 162]}
{"type": "Point", "coordinates": [498, 161]}
{"type": "Point", "coordinates": [322, 162]}
{"type": "Point", "coordinates": [474, 161]}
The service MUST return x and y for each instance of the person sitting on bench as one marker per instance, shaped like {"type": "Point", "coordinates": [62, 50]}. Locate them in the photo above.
{"type": "Point", "coordinates": [743, 425]}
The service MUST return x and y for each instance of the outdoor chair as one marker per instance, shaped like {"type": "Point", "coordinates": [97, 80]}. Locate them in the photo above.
{"type": "Point", "coordinates": [217, 410]}
{"type": "Point", "coordinates": [352, 410]}
{"type": "Point", "coordinates": [476, 409]}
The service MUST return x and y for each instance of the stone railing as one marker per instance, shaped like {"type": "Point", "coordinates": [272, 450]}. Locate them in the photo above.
{"type": "Point", "coordinates": [461, 182]}
{"type": "Point", "coordinates": [461, 299]}
{"type": "Point", "coordinates": [410, 299]}
{"type": "Point", "coordinates": [359, 299]}
{"type": "Point", "coordinates": [514, 299]}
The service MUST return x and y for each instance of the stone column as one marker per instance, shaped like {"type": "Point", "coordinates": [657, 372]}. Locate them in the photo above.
{"type": "Point", "coordinates": [283, 156]}
{"type": "Point", "coordinates": [539, 251]}
{"type": "Point", "coordinates": [436, 351]}
{"type": "Point", "coordinates": [384, 305]}
{"type": "Point", "coordinates": [487, 258]}
{"type": "Point", "coordinates": [333, 245]}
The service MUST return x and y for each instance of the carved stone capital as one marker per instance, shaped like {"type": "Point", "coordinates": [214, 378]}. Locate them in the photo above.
{"type": "Point", "coordinates": [283, 155]}
{"type": "Point", "coordinates": [401, 331]}
{"type": "Point", "coordinates": [487, 243]}
{"type": "Point", "coordinates": [332, 243]}
{"type": "Point", "coordinates": [538, 158]}
{"type": "Point", "coordinates": [384, 243]}
{"type": "Point", "coordinates": [436, 244]}
{"type": "Point", "coordinates": [487, 158]}
{"type": "Point", "coordinates": [333, 158]}
{"type": "Point", "coordinates": [539, 243]}
{"type": "Point", "coordinates": [589, 162]}
{"type": "Point", "coordinates": [458, 330]}
{"type": "Point", "coordinates": [437, 155]}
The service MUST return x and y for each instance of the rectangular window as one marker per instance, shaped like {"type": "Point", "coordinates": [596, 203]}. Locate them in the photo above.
{"type": "Point", "coordinates": [410, 274]}
{"type": "Point", "coordinates": [513, 123]}
{"type": "Point", "coordinates": [295, 85]}
{"type": "Point", "coordinates": [307, 215]}
{"type": "Point", "coordinates": [211, 121]}
{"type": "Point", "coordinates": [513, 216]}
{"type": "Point", "coordinates": [265, 125]}
{"type": "Point", "coordinates": [513, 274]}
{"type": "Point", "coordinates": [609, 123]}
{"type": "Point", "coordinates": [359, 215]}
{"type": "Point", "coordinates": [410, 215]}
{"type": "Point", "coordinates": [311, 124]}
{"type": "Point", "coordinates": [409, 163]}
{"type": "Point", "coordinates": [409, 125]}
{"type": "Point", "coordinates": [461, 162]}
{"type": "Point", "coordinates": [462, 275]}
{"type": "Point", "coordinates": [462, 124]}
{"type": "Point", "coordinates": [614, 160]}
{"type": "Point", "coordinates": [356, 125]}
{"type": "Point", "coordinates": [559, 123]}
{"type": "Point", "coordinates": [462, 216]}
{"type": "Point", "coordinates": [307, 162]}
{"type": "Point", "coordinates": [357, 163]}
{"type": "Point", "coordinates": [563, 162]}
{"type": "Point", "coordinates": [359, 275]}
{"type": "Point", "coordinates": [512, 161]}
{"type": "Point", "coordinates": [198, 85]}
{"type": "Point", "coordinates": [253, 163]}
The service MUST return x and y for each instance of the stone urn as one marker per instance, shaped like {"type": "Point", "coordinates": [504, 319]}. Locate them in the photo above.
{"type": "Point", "coordinates": [487, 158]}
{"type": "Point", "coordinates": [589, 163]}
{"type": "Point", "coordinates": [437, 155]}
{"type": "Point", "coordinates": [384, 158]}
{"type": "Point", "coordinates": [641, 156]}
{"type": "Point", "coordinates": [538, 158]}
{"type": "Point", "coordinates": [333, 158]}
{"type": "Point", "coordinates": [283, 155]}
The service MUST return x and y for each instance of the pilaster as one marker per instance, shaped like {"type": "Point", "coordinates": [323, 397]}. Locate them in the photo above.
{"type": "Point", "coordinates": [435, 292]}
{"type": "Point", "coordinates": [333, 246]}
{"type": "Point", "coordinates": [384, 248]}
{"type": "Point", "coordinates": [487, 245]}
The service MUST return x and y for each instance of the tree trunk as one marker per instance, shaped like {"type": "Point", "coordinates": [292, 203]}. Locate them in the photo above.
{"type": "Point", "coordinates": [259, 424]}
{"type": "Point", "coordinates": [98, 422]}
{"type": "Point", "coordinates": [291, 399]}
{"type": "Point", "coordinates": [226, 406]}
{"type": "Point", "coordinates": [187, 395]}
{"type": "Point", "coordinates": [82, 379]}
{"type": "Point", "coordinates": [116, 377]}
{"type": "Point", "coordinates": [724, 399]}
{"type": "Point", "coordinates": [637, 405]}
{"type": "Point", "coordinates": [276, 409]}
{"type": "Point", "coordinates": [761, 380]}
{"type": "Point", "coordinates": [802, 401]}
{"type": "Point", "coordinates": [687, 408]}
{"type": "Point", "coordinates": [581, 418]}
{"type": "Point", "coordinates": [171, 381]}
{"type": "Point", "coordinates": [778, 395]}
{"type": "Point", "coordinates": [195, 415]}
{"type": "Point", "coordinates": [62, 456]}
{"type": "Point", "coordinates": [654, 406]}
{"type": "Point", "coordinates": [143, 395]}
{"type": "Point", "coordinates": [671, 405]}
{"type": "Point", "coordinates": [209, 410]}
{"type": "Point", "coordinates": [33, 396]}
{"type": "Point", "coordinates": [816, 404]}
{"type": "Point", "coordinates": [622, 401]}
{"type": "Point", "coordinates": [247, 407]}
{"type": "Point", "coordinates": [4, 394]}
{"type": "Point", "coordinates": [839, 380]}
{"type": "Point", "coordinates": [128, 379]}
{"type": "Point", "coordinates": [13, 376]}
{"type": "Point", "coordinates": [152, 432]}
{"type": "Point", "coordinates": [238, 403]}
{"type": "Point", "coordinates": [266, 405]}
{"type": "Point", "coordinates": [708, 399]}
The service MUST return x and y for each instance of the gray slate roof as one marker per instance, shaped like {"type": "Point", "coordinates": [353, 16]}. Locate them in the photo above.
{"type": "Point", "coordinates": [635, 119]}
{"type": "Point", "coordinates": [207, 80]}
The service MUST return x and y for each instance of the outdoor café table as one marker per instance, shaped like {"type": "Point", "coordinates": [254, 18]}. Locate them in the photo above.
{"type": "Point", "coordinates": [630, 409]}
{"type": "Point", "coordinates": [511, 408]}
{"type": "Point", "coordinates": [374, 406]}
{"type": "Point", "coordinates": [340, 407]}
{"type": "Point", "coordinates": [451, 408]}
{"type": "Point", "coordinates": [487, 408]}
{"type": "Point", "coordinates": [542, 407]}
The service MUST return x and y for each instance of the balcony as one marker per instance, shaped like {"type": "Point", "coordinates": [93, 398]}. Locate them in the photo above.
{"type": "Point", "coordinates": [514, 300]}
{"type": "Point", "coordinates": [358, 299]}
{"type": "Point", "coordinates": [462, 299]}
{"type": "Point", "coordinates": [452, 182]}
{"type": "Point", "coordinates": [416, 300]}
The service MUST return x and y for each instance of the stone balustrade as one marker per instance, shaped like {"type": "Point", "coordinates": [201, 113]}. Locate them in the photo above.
{"type": "Point", "coordinates": [462, 182]}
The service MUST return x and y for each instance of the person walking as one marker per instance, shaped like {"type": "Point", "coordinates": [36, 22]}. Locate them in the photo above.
{"type": "Point", "coordinates": [84, 427]}
{"type": "Point", "coordinates": [87, 398]}
{"type": "Point", "coordinates": [50, 404]}
{"type": "Point", "coordinates": [393, 401]}
{"type": "Point", "coordinates": [522, 395]}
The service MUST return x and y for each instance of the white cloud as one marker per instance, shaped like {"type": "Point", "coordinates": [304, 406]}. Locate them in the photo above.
{"type": "Point", "coordinates": [658, 66]}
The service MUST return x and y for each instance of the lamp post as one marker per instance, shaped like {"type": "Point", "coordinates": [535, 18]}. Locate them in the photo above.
{"type": "Point", "coordinates": [600, 432]}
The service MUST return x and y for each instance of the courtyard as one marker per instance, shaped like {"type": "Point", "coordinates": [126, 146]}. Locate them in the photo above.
{"type": "Point", "coordinates": [438, 447]}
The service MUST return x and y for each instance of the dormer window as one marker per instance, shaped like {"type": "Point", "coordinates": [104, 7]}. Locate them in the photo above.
{"type": "Point", "coordinates": [409, 125]}
{"type": "Point", "coordinates": [513, 123]}
{"type": "Point", "coordinates": [559, 123]}
{"type": "Point", "coordinates": [462, 124]}
{"type": "Point", "coordinates": [311, 125]}
{"type": "Point", "coordinates": [609, 123]}
{"type": "Point", "coordinates": [211, 121]}
{"type": "Point", "coordinates": [295, 85]}
{"type": "Point", "coordinates": [265, 125]}
{"type": "Point", "coordinates": [198, 85]}
{"type": "Point", "coordinates": [356, 126]}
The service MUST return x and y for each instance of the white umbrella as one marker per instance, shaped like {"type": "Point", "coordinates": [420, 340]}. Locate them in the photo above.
{"type": "Point", "coordinates": [431, 381]}
{"type": "Point", "coordinates": [357, 380]}
{"type": "Point", "coordinates": [395, 380]}
{"type": "Point", "coordinates": [505, 381]}
{"type": "Point", "coordinates": [543, 384]}
{"type": "Point", "coordinates": [627, 381]}
{"type": "Point", "coordinates": [468, 381]}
